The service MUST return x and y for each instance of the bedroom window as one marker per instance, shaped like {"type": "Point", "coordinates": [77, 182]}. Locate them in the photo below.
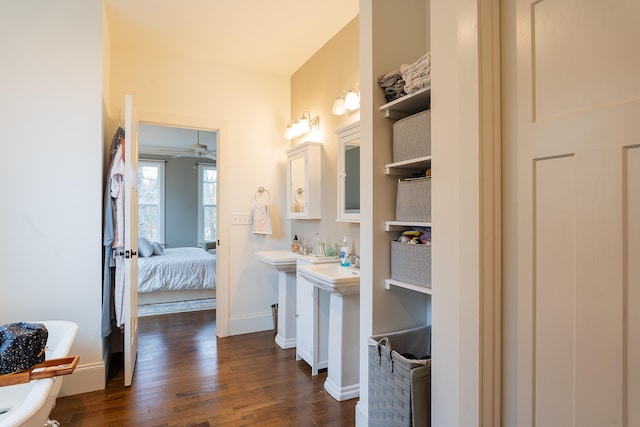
{"type": "Point", "coordinates": [207, 176]}
{"type": "Point", "coordinates": [151, 200]}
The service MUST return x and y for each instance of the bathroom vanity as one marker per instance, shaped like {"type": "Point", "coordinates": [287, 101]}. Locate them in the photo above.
{"type": "Point", "coordinates": [284, 262]}
{"type": "Point", "coordinates": [342, 286]}
{"type": "Point", "coordinates": [294, 293]}
{"type": "Point", "coordinates": [312, 317]}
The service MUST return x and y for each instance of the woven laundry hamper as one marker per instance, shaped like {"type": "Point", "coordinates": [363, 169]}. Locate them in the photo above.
{"type": "Point", "coordinates": [399, 386]}
{"type": "Point", "coordinates": [412, 137]}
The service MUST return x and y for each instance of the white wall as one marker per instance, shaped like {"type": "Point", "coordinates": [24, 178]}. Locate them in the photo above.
{"type": "Point", "coordinates": [51, 170]}
{"type": "Point", "coordinates": [250, 110]}
{"type": "Point", "coordinates": [455, 383]}
{"type": "Point", "coordinates": [314, 87]}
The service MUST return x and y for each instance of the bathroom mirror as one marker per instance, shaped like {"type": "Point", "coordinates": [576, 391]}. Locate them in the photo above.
{"type": "Point", "coordinates": [304, 187]}
{"type": "Point", "coordinates": [349, 173]}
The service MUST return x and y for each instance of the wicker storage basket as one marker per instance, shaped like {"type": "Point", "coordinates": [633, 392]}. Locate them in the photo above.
{"type": "Point", "coordinates": [413, 200]}
{"type": "Point", "coordinates": [412, 137]}
{"type": "Point", "coordinates": [399, 386]}
{"type": "Point", "coordinates": [411, 263]}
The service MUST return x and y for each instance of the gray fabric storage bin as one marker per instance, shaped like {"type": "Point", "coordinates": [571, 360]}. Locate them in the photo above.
{"type": "Point", "coordinates": [398, 396]}
{"type": "Point", "coordinates": [411, 263]}
{"type": "Point", "coordinates": [412, 137]}
{"type": "Point", "coordinates": [413, 200]}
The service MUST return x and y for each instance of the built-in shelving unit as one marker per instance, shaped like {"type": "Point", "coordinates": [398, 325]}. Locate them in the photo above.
{"type": "Point", "coordinates": [399, 109]}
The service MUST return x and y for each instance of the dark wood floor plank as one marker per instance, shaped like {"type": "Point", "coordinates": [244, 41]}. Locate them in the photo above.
{"type": "Point", "coordinates": [186, 376]}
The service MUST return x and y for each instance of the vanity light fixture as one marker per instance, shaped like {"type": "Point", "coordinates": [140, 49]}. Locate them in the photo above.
{"type": "Point", "coordinates": [303, 126]}
{"type": "Point", "coordinates": [352, 99]}
{"type": "Point", "coordinates": [338, 107]}
{"type": "Point", "coordinates": [350, 102]}
{"type": "Point", "coordinates": [288, 132]}
{"type": "Point", "coordinates": [304, 123]}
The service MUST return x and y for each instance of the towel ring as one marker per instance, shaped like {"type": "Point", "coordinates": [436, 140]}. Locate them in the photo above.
{"type": "Point", "coordinates": [260, 192]}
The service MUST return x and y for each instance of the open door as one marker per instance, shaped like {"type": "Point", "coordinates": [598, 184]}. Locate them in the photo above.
{"type": "Point", "coordinates": [130, 242]}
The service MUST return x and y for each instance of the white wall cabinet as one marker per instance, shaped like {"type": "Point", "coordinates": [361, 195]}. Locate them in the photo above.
{"type": "Point", "coordinates": [304, 189]}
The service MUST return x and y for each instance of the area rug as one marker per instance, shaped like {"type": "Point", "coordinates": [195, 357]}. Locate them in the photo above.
{"type": "Point", "coordinates": [176, 307]}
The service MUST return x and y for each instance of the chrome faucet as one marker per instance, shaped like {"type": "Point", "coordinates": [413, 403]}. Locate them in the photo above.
{"type": "Point", "coordinates": [356, 258]}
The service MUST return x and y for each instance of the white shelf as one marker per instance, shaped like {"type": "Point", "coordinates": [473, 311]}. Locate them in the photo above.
{"type": "Point", "coordinates": [408, 104]}
{"type": "Point", "coordinates": [408, 167]}
{"type": "Point", "coordinates": [401, 225]}
{"type": "Point", "coordinates": [389, 283]}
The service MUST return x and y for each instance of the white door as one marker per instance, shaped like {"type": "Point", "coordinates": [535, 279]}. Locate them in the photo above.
{"type": "Point", "coordinates": [571, 212]}
{"type": "Point", "coordinates": [130, 242]}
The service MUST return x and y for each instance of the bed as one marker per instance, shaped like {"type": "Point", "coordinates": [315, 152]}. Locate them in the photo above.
{"type": "Point", "coordinates": [180, 274]}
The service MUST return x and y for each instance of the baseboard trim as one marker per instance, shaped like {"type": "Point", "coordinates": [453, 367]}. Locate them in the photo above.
{"type": "Point", "coordinates": [362, 414]}
{"type": "Point", "coordinates": [285, 343]}
{"type": "Point", "coordinates": [250, 323]}
{"type": "Point", "coordinates": [341, 393]}
{"type": "Point", "coordinates": [86, 378]}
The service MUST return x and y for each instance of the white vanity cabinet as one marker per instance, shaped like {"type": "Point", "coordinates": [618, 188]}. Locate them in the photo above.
{"type": "Point", "coordinates": [312, 320]}
{"type": "Point", "coordinates": [304, 189]}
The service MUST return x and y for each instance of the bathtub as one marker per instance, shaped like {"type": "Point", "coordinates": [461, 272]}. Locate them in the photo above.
{"type": "Point", "coordinates": [30, 404]}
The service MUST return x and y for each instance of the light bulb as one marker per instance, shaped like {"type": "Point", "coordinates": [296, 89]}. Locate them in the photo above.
{"type": "Point", "coordinates": [295, 129]}
{"type": "Point", "coordinates": [304, 125]}
{"type": "Point", "coordinates": [338, 107]}
{"type": "Point", "coordinates": [352, 101]}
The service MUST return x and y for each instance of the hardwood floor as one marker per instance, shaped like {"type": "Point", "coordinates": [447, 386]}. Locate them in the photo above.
{"type": "Point", "coordinates": [185, 376]}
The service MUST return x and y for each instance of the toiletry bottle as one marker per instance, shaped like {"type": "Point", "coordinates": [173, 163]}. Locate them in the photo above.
{"type": "Point", "coordinates": [295, 244]}
{"type": "Point", "coordinates": [344, 253]}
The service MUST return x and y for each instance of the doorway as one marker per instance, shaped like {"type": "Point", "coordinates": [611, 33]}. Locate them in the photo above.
{"type": "Point", "coordinates": [177, 211]}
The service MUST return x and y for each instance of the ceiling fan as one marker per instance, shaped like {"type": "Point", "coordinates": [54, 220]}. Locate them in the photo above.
{"type": "Point", "coordinates": [198, 150]}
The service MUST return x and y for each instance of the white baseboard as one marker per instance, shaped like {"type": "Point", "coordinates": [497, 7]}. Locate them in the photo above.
{"type": "Point", "coordinates": [85, 378]}
{"type": "Point", "coordinates": [250, 323]}
{"type": "Point", "coordinates": [362, 414]}
{"type": "Point", "coordinates": [285, 343]}
{"type": "Point", "coordinates": [341, 393]}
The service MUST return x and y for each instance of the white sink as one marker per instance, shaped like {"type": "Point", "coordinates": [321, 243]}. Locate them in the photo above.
{"type": "Point", "coordinates": [332, 277]}
{"type": "Point", "coordinates": [29, 404]}
{"type": "Point", "coordinates": [279, 260]}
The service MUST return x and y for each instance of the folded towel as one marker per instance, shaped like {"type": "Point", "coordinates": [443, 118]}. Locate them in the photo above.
{"type": "Point", "coordinates": [392, 85]}
{"type": "Point", "coordinates": [417, 84]}
{"type": "Point", "coordinates": [422, 62]}
{"type": "Point", "coordinates": [416, 74]}
{"type": "Point", "coordinates": [390, 78]}
{"type": "Point", "coordinates": [261, 223]}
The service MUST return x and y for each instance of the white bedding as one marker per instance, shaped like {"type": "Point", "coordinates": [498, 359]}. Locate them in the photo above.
{"type": "Point", "coordinates": [177, 269]}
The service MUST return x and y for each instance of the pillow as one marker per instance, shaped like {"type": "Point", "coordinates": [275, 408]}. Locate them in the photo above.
{"type": "Point", "coordinates": [157, 248]}
{"type": "Point", "coordinates": [144, 247]}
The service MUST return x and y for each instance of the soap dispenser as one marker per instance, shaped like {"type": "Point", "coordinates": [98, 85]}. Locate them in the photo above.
{"type": "Point", "coordinates": [295, 244]}
{"type": "Point", "coordinates": [344, 253]}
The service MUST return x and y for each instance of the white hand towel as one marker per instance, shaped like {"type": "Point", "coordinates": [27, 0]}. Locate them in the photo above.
{"type": "Point", "coordinates": [261, 223]}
